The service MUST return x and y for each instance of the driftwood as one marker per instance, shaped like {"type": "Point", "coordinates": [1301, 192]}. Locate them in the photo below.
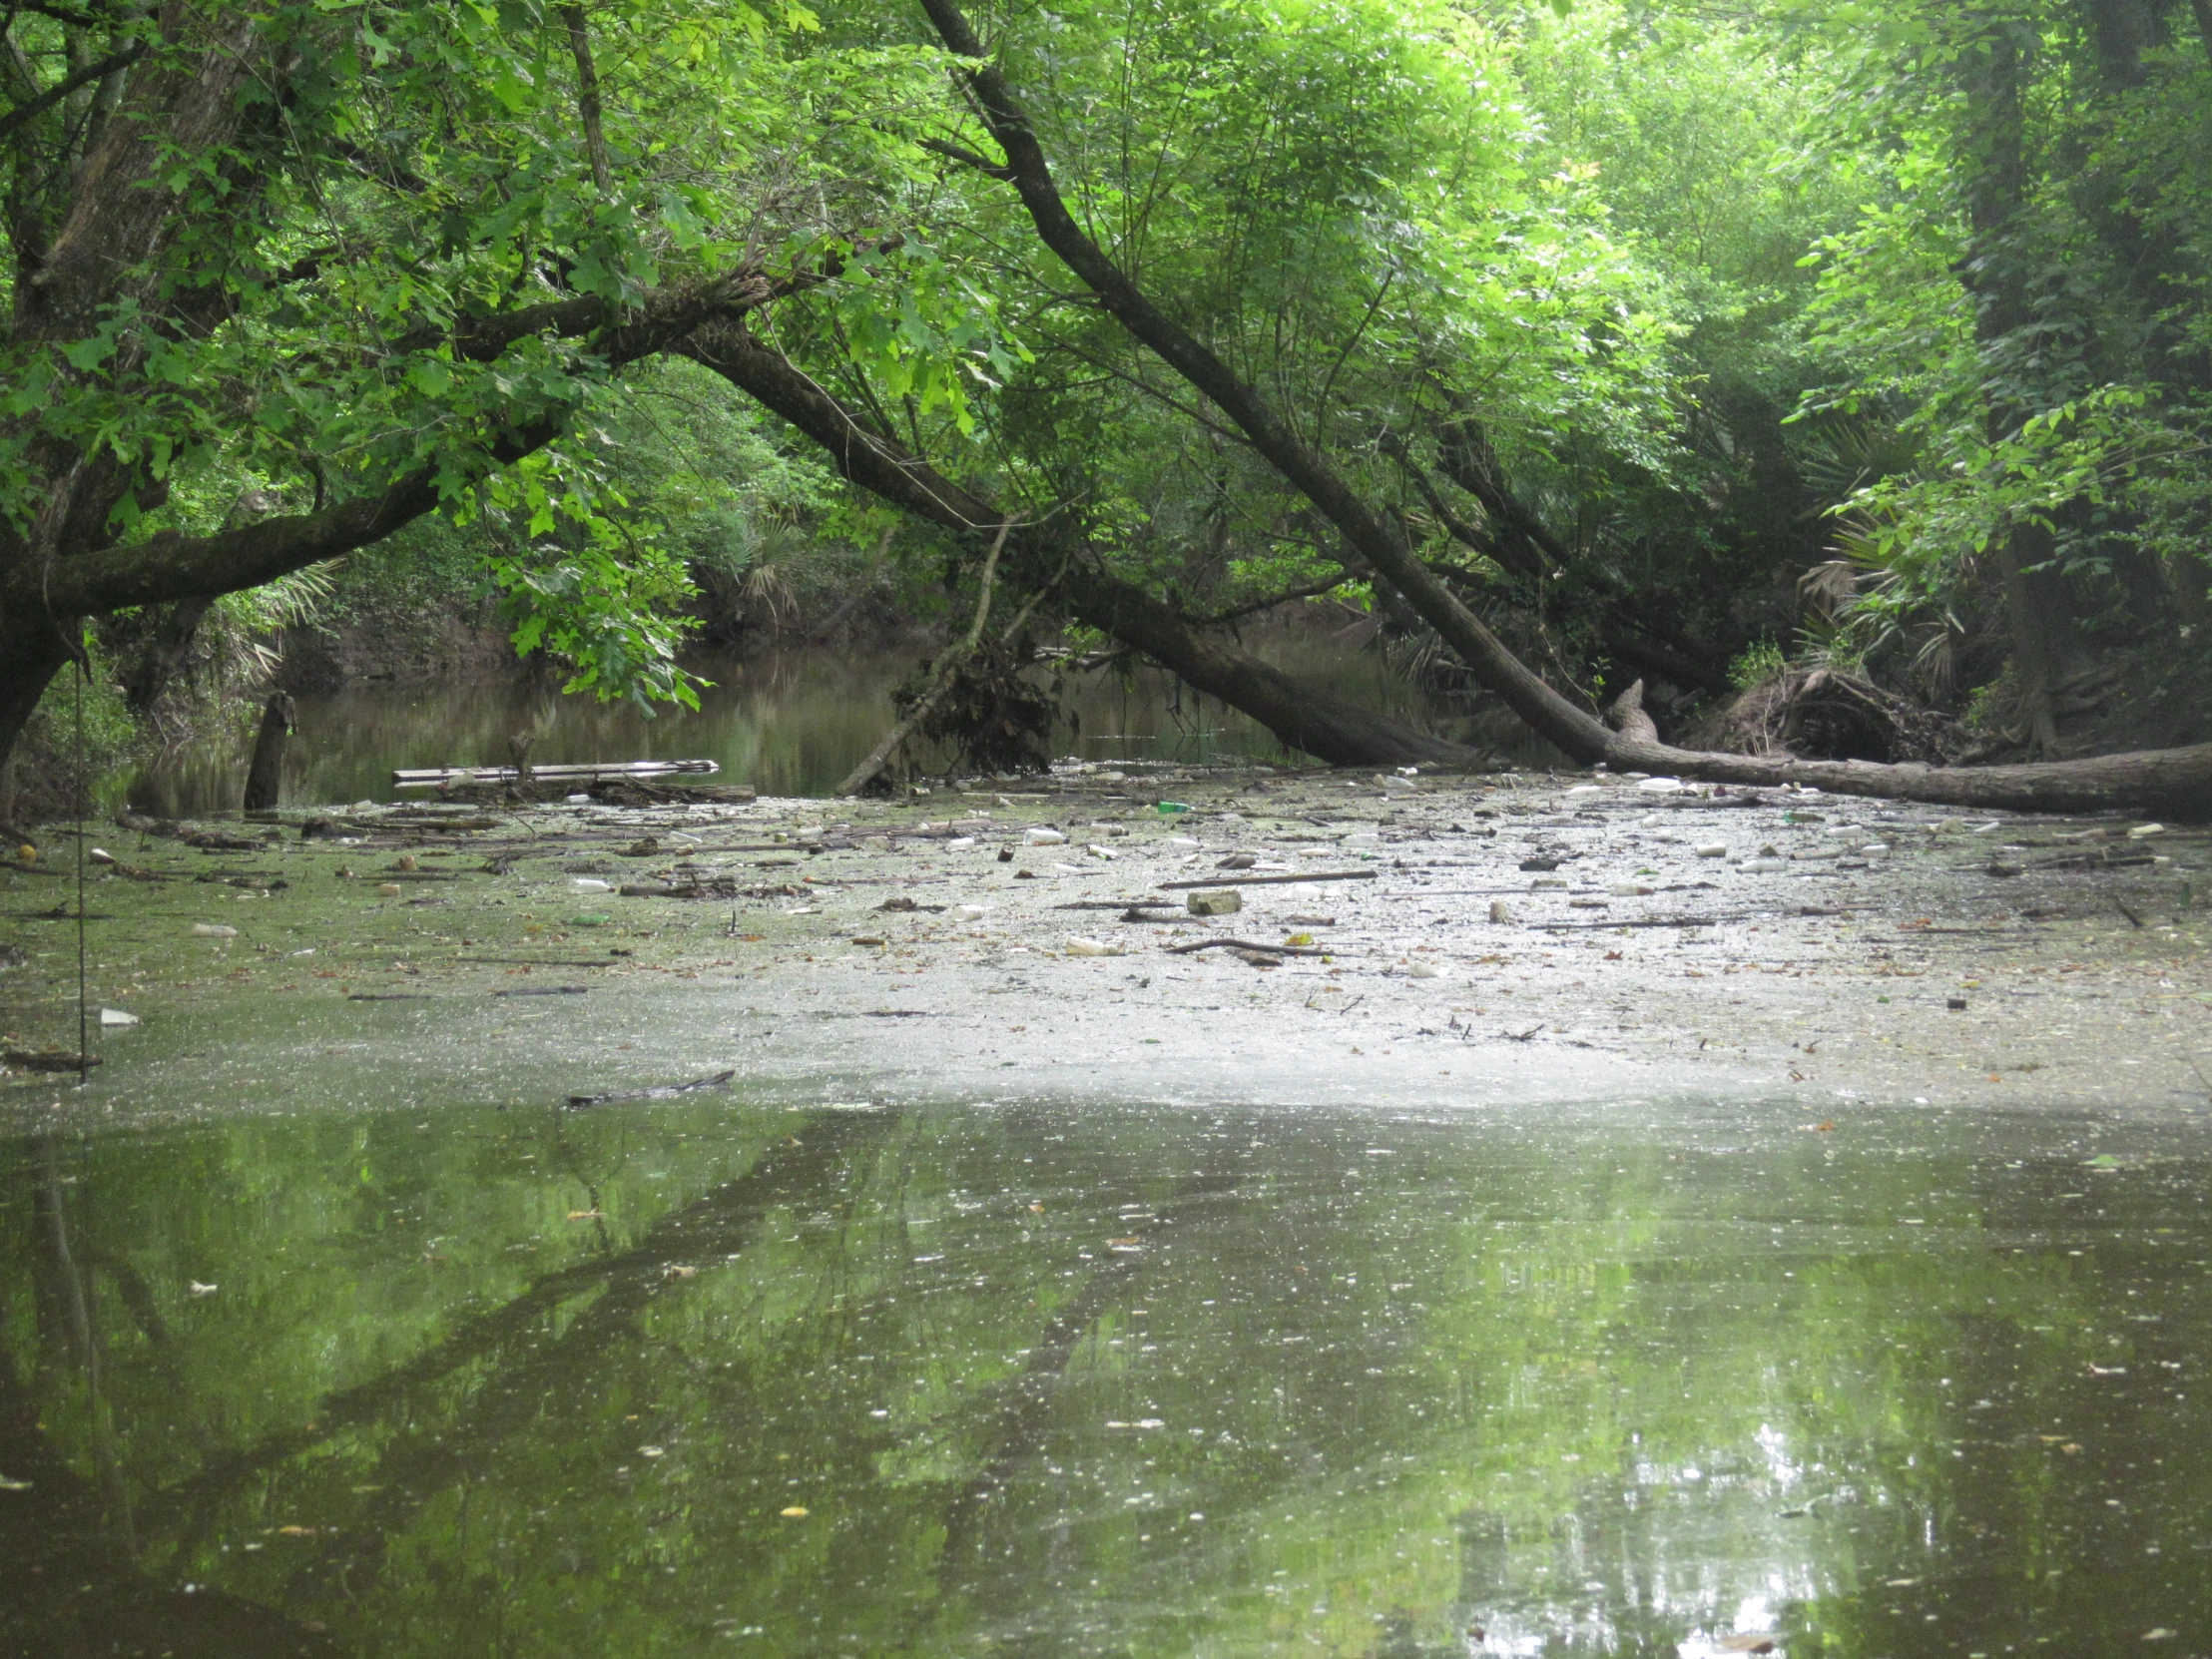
{"type": "Point", "coordinates": [430, 778]}
{"type": "Point", "coordinates": [1244, 944]}
{"type": "Point", "coordinates": [26, 1060]}
{"type": "Point", "coordinates": [1273, 880]}
{"type": "Point", "coordinates": [667, 1091]}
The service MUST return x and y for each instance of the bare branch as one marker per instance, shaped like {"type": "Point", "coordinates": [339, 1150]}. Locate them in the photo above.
{"type": "Point", "coordinates": [968, 158]}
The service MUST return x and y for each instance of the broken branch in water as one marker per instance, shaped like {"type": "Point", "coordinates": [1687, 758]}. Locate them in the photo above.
{"type": "Point", "coordinates": [24, 1060]}
{"type": "Point", "coordinates": [948, 665]}
{"type": "Point", "coordinates": [1274, 880]}
{"type": "Point", "coordinates": [667, 1091]}
{"type": "Point", "coordinates": [1246, 944]}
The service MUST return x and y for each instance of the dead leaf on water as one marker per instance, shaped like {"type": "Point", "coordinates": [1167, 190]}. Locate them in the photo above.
{"type": "Point", "coordinates": [295, 1532]}
{"type": "Point", "coordinates": [1748, 1643]}
{"type": "Point", "coordinates": [585, 1215]}
{"type": "Point", "coordinates": [795, 1512]}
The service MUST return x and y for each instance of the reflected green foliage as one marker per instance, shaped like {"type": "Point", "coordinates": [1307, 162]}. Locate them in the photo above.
{"type": "Point", "coordinates": [1131, 1382]}
{"type": "Point", "coordinates": [790, 725]}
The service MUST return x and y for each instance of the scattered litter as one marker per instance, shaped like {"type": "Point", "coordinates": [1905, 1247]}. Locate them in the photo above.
{"type": "Point", "coordinates": [1662, 785]}
{"type": "Point", "coordinates": [1214, 902]}
{"type": "Point", "coordinates": [1038, 836]}
{"type": "Point", "coordinates": [590, 883]}
{"type": "Point", "coordinates": [1501, 912]}
{"type": "Point", "coordinates": [1424, 971]}
{"type": "Point", "coordinates": [1711, 849]}
{"type": "Point", "coordinates": [213, 930]}
{"type": "Point", "coordinates": [116, 1016]}
{"type": "Point", "coordinates": [1079, 945]}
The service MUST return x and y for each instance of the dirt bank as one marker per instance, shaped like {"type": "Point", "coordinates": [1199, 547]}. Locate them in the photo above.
{"type": "Point", "coordinates": [1806, 948]}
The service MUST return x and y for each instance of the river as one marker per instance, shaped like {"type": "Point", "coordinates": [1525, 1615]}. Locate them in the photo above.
{"type": "Point", "coordinates": [999, 1378]}
{"type": "Point", "coordinates": [1803, 1254]}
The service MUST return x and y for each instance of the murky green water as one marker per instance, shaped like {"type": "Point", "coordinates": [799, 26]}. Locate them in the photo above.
{"type": "Point", "coordinates": [789, 724]}
{"type": "Point", "coordinates": [708, 1378]}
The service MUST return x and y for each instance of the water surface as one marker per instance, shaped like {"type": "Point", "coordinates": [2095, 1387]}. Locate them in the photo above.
{"type": "Point", "coordinates": [705, 1377]}
{"type": "Point", "coordinates": [790, 725]}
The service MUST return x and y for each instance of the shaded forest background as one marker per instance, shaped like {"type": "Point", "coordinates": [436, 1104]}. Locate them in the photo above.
{"type": "Point", "coordinates": [1836, 372]}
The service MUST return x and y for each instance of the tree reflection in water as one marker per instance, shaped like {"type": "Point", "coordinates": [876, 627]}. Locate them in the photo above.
{"type": "Point", "coordinates": [698, 1378]}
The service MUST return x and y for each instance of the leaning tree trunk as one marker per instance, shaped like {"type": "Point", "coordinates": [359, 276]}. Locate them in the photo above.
{"type": "Point", "coordinates": [1302, 716]}
{"type": "Point", "coordinates": [2176, 781]}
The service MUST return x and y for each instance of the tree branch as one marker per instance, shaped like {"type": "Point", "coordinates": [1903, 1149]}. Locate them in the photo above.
{"type": "Point", "coordinates": [25, 113]}
{"type": "Point", "coordinates": [968, 158]}
{"type": "Point", "coordinates": [171, 566]}
{"type": "Point", "coordinates": [1223, 619]}
{"type": "Point", "coordinates": [1375, 538]}
{"type": "Point", "coordinates": [587, 94]}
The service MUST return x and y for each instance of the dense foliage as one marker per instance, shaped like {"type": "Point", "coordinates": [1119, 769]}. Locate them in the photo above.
{"type": "Point", "coordinates": [1668, 336]}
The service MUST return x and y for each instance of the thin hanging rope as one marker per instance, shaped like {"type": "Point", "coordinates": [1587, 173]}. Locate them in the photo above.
{"type": "Point", "coordinates": [84, 1046]}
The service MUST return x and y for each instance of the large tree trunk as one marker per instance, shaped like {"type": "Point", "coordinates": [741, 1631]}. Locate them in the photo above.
{"type": "Point", "coordinates": [32, 651]}
{"type": "Point", "coordinates": [1994, 275]}
{"type": "Point", "coordinates": [2176, 781]}
{"type": "Point", "coordinates": [265, 777]}
{"type": "Point", "coordinates": [1304, 716]}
